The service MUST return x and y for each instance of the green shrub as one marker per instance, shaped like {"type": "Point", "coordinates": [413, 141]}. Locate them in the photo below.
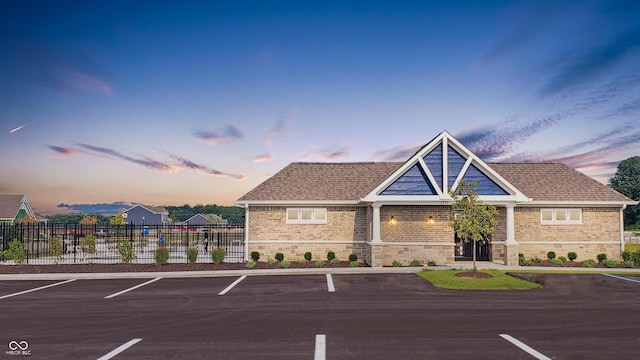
{"type": "Point", "coordinates": [251, 264]}
{"type": "Point", "coordinates": [396, 263]}
{"type": "Point", "coordinates": [217, 255]}
{"type": "Point", "coordinates": [609, 263]}
{"type": "Point", "coordinates": [354, 264]}
{"type": "Point", "coordinates": [415, 262]}
{"type": "Point", "coordinates": [536, 260]}
{"type": "Point", "coordinates": [88, 245]}
{"type": "Point", "coordinates": [521, 259]}
{"type": "Point", "coordinates": [320, 263]}
{"type": "Point", "coordinates": [127, 251]}
{"type": "Point", "coordinates": [563, 259]}
{"type": "Point", "coordinates": [353, 257]}
{"type": "Point", "coordinates": [255, 256]}
{"type": "Point", "coordinates": [56, 248]}
{"type": "Point", "coordinates": [285, 264]}
{"type": "Point", "coordinates": [279, 256]}
{"type": "Point", "coordinates": [635, 257]}
{"type": "Point", "coordinates": [588, 263]}
{"type": "Point", "coordinates": [628, 264]}
{"type": "Point", "coordinates": [601, 257]}
{"type": "Point", "coordinates": [307, 256]}
{"type": "Point", "coordinates": [626, 255]}
{"type": "Point", "coordinates": [572, 255]}
{"type": "Point", "coordinates": [431, 263]}
{"type": "Point", "coordinates": [161, 256]}
{"type": "Point", "coordinates": [331, 255]}
{"type": "Point", "coordinates": [556, 261]}
{"type": "Point", "coordinates": [271, 261]}
{"type": "Point", "coordinates": [335, 261]}
{"type": "Point", "coordinates": [526, 262]}
{"type": "Point", "coordinates": [15, 252]}
{"type": "Point", "coordinates": [192, 255]}
{"type": "Point", "coordinates": [551, 255]}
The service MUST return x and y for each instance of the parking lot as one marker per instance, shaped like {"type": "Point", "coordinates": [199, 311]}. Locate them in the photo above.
{"type": "Point", "coordinates": [319, 316]}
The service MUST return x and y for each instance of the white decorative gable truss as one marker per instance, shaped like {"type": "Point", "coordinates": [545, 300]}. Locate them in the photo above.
{"type": "Point", "coordinates": [435, 170]}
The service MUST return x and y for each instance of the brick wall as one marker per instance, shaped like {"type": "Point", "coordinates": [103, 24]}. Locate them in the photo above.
{"type": "Point", "coordinates": [345, 232]}
{"type": "Point", "coordinates": [411, 224]}
{"type": "Point", "coordinates": [598, 233]}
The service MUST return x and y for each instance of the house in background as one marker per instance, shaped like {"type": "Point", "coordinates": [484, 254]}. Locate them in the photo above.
{"type": "Point", "coordinates": [205, 219]}
{"type": "Point", "coordinates": [14, 208]}
{"type": "Point", "coordinates": [399, 211]}
{"type": "Point", "coordinates": [146, 215]}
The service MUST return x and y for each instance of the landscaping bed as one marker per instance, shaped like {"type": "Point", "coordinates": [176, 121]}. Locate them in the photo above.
{"type": "Point", "coordinates": [169, 267]}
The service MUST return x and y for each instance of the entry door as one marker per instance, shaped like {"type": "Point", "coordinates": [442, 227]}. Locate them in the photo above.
{"type": "Point", "coordinates": [464, 250]}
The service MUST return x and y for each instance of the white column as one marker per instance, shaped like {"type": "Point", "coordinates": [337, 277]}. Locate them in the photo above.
{"type": "Point", "coordinates": [511, 229]}
{"type": "Point", "coordinates": [376, 225]}
{"type": "Point", "coordinates": [246, 232]}
{"type": "Point", "coordinates": [622, 229]}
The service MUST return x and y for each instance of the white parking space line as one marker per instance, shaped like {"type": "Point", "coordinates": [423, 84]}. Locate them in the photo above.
{"type": "Point", "coordinates": [228, 288]}
{"type": "Point", "coordinates": [330, 283]}
{"type": "Point", "coordinates": [524, 347]}
{"type": "Point", "coordinates": [119, 349]}
{"type": "Point", "coordinates": [321, 348]}
{"type": "Point", "coordinates": [36, 289]}
{"type": "Point", "coordinates": [622, 278]}
{"type": "Point", "coordinates": [131, 288]}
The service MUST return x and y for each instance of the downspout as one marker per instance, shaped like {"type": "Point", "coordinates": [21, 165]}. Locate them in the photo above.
{"type": "Point", "coordinates": [624, 206]}
{"type": "Point", "coordinates": [246, 232]}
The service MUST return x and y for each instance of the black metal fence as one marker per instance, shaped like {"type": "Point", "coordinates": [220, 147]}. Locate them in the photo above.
{"type": "Point", "coordinates": [75, 243]}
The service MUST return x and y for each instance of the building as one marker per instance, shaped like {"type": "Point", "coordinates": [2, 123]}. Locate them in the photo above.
{"type": "Point", "coordinates": [205, 219]}
{"type": "Point", "coordinates": [399, 211]}
{"type": "Point", "coordinates": [14, 208]}
{"type": "Point", "coordinates": [146, 215]}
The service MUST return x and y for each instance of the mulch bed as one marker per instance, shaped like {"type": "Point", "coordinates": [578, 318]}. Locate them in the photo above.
{"type": "Point", "coordinates": [474, 275]}
{"type": "Point", "coordinates": [112, 268]}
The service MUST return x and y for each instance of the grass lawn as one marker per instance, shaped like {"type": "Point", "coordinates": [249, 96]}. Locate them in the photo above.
{"type": "Point", "coordinates": [631, 247]}
{"type": "Point", "coordinates": [500, 281]}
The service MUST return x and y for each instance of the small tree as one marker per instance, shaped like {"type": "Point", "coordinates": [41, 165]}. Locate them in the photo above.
{"type": "Point", "coordinates": [15, 252]}
{"type": "Point", "coordinates": [472, 220]}
{"type": "Point", "coordinates": [118, 219]}
{"type": "Point", "coordinates": [56, 248]}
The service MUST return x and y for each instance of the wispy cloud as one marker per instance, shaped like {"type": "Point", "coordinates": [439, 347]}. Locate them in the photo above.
{"type": "Point", "coordinates": [54, 73]}
{"type": "Point", "coordinates": [578, 69]}
{"type": "Point", "coordinates": [396, 153]}
{"type": "Point", "coordinates": [228, 134]}
{"type": "Point", "coordinates": [207, 170]}
{"type": "Point", "coordinates": [283, 123]}
{"type": "Point", "coordinates": [261, 158]}
{"type": "Point", "coordinates": [162, 166]}
{"type": "Point", "coordinates": [334, 152]}
{"type": "Point", "coordinates": [98, 208]}
{"type": "Point", "coordinates": [144, 161]}
{"type": "Point", "coordinates": [62, 151]}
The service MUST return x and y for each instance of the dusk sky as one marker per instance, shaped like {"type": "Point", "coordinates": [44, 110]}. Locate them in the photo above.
{"type": "Point", "coordinates": [197, 102]}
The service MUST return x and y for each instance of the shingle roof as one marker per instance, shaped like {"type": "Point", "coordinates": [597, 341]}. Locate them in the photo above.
{"type": "Point", "coordinates": [10, 205]}
{"type": "Point", "coordinates": [556, 182]}
{"type": "Point", "coordinates": [322, 181]}
{"type": "Point", "coordinates": [352, 181]}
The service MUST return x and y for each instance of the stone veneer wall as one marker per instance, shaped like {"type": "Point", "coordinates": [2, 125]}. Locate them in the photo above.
{"type": "Point", "coordinates": [598, 233]}
{"type": "Point", "coordinates": [412, 238]}
{"type": "Point", "coordinates": [345, 232]}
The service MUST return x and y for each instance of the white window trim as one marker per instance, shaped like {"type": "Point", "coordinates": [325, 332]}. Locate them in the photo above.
{"type": "Point", "coordinates": [299, 220]}
{"type": "Point", "coordinates": [567, 220]}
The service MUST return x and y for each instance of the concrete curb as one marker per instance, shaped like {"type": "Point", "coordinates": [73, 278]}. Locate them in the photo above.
{"type": "Point", "coordinates": [306, 271]}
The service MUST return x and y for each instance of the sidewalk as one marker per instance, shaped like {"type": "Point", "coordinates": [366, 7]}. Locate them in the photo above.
{"type": "Point", "coordinates": [482, 265]}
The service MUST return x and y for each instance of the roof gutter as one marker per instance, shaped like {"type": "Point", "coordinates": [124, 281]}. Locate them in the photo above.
{"type": "Point", "coordinates": [296, 202]}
